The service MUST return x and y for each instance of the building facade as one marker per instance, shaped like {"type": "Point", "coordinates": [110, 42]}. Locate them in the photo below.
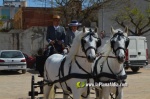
{"type": "Point", "coordinates": [7, 13]}
{"type": "Point", "coordinates": [27, 17]}
{"type": "Point", "coordinates": [9, 9]}
{"type": "Point", "coordinates": [15, 3]}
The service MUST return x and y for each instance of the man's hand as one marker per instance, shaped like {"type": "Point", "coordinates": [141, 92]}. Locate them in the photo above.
{"type": "Point", "coordinates": [52, 42]}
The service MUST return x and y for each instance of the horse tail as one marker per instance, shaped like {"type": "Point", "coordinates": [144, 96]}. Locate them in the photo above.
{"type": "Point", "coordinates": [45, 71]}
{"type": "Point", "coordinates": [52, 92]}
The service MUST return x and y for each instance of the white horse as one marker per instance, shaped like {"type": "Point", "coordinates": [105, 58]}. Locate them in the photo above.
{"type": "Point", "coordinates": [78, 61]}
{"type": "Point", "coordinates": [109, 66]}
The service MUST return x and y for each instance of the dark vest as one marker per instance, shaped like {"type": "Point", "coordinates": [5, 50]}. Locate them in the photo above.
{"type": "Point", "coordinates": [58, 34]}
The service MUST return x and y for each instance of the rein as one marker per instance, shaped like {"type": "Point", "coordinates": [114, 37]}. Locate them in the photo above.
{"type": "Point", "coordinates": [80, 56]}
{"type": "Point", "coordinates": [101, 55]}
{"type": "Point", "coordinates": [97, 55]}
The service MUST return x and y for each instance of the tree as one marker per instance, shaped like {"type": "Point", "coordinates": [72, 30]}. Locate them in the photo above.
{"type": "Point", "coordinates": [82, 10]}
{"type": "Point", "coordinates": [137, 20]}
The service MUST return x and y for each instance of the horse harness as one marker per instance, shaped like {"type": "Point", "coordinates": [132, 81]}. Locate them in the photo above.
{"type": "Point", "coordinates": [74, 75]}
{"type": "Point", "coordinates": [70, 75]}
{"type": "Point", "coordinates": [116, 77]}
{"type": "Point", "coordinates": [91, 47]}
{"type": "Point", "coordinates": [63, 78]}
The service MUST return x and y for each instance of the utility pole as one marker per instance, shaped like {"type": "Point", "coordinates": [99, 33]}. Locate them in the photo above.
{"type": "Point", "coordinates": [3, 2]}
{"type": "Point", "coordinates": [102, 15]}
{"type": "Point", "coordinates": [51, 3]}
{"type": "Point", "coordinates": [44, 25]}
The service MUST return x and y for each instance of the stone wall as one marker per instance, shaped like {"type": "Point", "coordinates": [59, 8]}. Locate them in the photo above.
{"type": "Point", "coordinates": [28, 41]}
{"type": "Point", "coordinates": [6, 41]}
{"type": "Point", "coordinates": [32, 39]}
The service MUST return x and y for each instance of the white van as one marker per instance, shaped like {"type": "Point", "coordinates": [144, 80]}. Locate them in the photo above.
{"type": "Point", "coordinates": [137, 53]}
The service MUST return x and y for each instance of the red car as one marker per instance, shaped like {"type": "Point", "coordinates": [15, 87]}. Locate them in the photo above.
{"type": "Point", "coordinates": [30, 61]}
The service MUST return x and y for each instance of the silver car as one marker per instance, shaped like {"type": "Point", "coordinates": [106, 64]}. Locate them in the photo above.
{"type": "Point", "coordinates": [12, 60]}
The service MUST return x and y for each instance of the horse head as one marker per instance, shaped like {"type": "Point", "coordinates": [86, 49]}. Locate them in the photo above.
{"type": "Point", "coordinates": [89, 43]}
{"type": "Point", "coordinates": [119, 43]}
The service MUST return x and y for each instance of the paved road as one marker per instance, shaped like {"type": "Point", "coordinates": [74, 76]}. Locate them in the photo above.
{"type": "Point", "coordinates": [14, 85]}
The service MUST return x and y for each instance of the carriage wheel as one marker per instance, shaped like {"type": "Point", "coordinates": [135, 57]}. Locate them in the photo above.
{"type": "Point", "coordinates": [32, 87]}
{"type": "Point", "coordinates": [32, 92]}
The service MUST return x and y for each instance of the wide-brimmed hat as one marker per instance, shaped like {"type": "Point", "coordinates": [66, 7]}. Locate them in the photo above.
{"type": "Point", "coordinates": [74, 23]}
{"type": "Point", "coordinates": [56, 17]}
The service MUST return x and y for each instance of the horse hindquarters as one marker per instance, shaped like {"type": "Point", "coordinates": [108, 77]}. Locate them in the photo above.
{"type": "Point", "coordinates": [51, 70]}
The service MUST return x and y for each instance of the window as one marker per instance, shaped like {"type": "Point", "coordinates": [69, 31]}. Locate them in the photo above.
{"type": "Point", "coordinates": [11, 54]}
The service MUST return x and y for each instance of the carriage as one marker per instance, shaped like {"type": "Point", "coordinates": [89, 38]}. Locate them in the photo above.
{"type": "Point", "coordinates": [78, 63]}
{"type": "Point", "coordinates": [40, 60]}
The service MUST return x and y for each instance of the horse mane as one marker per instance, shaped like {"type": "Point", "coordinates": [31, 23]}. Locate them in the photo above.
{"type": "Point", "coordinates": [107, 46]}
{"type": "Point", "coordinates": [76, 44]}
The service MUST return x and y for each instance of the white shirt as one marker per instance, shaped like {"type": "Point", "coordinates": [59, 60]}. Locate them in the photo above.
{"type": "Point", "coordinates": [56, 27]}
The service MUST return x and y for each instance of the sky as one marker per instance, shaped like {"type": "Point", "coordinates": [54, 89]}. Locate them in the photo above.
{"type": "Point", "coordinates": [32, 3]}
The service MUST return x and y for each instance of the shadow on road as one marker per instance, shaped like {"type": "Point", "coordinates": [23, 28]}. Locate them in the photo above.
{"type": "Point", "coordinates": [43, 98]}
{"type": "Point", "coordinates": [4, 72]}
{"type": "Point", "coordinates": [33, 71]}
{"type": "Point", "coordinates": [132, 73]}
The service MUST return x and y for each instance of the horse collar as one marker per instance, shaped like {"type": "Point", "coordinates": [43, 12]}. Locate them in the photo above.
{"type": "Point", "coordinates": [81, 67]}
{"type": "Point", "coordinates": [118, 74]}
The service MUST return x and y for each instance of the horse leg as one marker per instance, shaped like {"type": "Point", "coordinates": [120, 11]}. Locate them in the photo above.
{"type": "Point", "coordinates": [120, 93]}
{"type": "Point", "coordinates": [47, 91]}
{"type": "Point", "coordinates": [65, 96]}
{"type": "Point", "coordinates": [76, 93]}
{"type": "Point", "coordinates": [97, 93]}
{"type": "Point", "coordinates": [100, 94]}
{"type": "Point", "coordinates": [84, 94]}
{"type": "Point", "coordinates": [105, 92]}
{"type": "Point", "coordinates": [52, 92]}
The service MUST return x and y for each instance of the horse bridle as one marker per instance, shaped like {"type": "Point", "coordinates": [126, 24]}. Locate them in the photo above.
{"type": "Point", "coordinates": [126, 42]}
{"type": "Point", "coordinates": [90, 47]}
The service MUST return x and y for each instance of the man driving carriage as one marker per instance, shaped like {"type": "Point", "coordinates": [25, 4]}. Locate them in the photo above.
{"type": "Point", "coordinates": [55, 37]}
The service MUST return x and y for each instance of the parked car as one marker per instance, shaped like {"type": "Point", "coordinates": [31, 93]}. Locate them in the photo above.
{"type": "Point", "coordinates": [12, 60]}
{"type": "Point", "coordinates": [137, 53]}
{"type": "Point", "coordinates": [30, 61]}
